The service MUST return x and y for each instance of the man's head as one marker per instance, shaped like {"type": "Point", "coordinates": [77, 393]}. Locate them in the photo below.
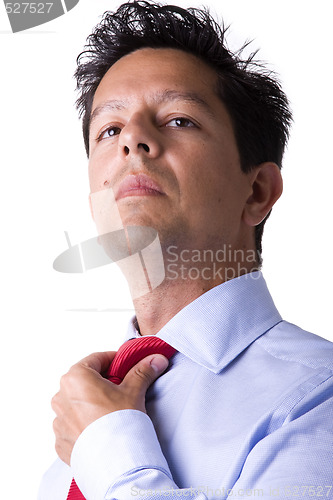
{"type": "Point", "coordinates": [256, 106]}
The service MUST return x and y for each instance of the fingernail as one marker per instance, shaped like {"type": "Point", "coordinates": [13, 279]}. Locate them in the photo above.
{"type": "Point", "coordinates": [159, 363]}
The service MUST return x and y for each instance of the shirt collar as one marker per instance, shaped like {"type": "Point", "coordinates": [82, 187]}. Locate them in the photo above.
{"type": "Point", "coordinates": [217, 326]}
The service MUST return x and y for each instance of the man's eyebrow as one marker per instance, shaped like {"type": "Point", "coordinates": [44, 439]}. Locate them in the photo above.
{"type": "Point", "coordinates": [110, 105]}
{"type": "Point", "coordinates": [187, 96]}
{"type": "Point", "coordinates": [158, 98]}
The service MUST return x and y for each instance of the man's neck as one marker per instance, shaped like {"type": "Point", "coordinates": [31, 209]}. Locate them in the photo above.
{"type": "Point", "coordinates": [156, 308]}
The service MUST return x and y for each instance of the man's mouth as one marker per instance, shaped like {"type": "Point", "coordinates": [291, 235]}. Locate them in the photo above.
{"type": "Point", "coordinates": [138, 185]}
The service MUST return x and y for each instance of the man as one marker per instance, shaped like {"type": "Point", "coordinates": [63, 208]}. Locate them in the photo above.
{"type": "Point", "coordinates": [189, 139]}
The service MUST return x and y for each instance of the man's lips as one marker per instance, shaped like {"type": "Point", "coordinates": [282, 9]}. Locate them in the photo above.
{"type": "Point", "coordinates": [138, 185]}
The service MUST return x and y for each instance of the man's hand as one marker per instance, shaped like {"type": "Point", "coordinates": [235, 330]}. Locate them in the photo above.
{"type": "Point", "coordinates": [85, 395]}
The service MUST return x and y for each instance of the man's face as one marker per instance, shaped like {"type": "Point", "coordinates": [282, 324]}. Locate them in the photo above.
{"type": "Point", "coordinates": [161, 138]}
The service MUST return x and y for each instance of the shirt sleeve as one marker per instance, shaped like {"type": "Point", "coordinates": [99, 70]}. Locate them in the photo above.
{"type": "Point", "coordinates": [294, 460]}
{"type": "Point", "coordinates": [119, 457]}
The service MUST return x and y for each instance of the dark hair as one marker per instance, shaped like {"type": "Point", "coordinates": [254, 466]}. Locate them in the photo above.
{"type": "Point", "coordinates": [258, 107]}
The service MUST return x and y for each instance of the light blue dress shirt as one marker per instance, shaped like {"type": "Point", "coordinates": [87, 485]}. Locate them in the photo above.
{"type": "Point", "coordinates": [244, 410]}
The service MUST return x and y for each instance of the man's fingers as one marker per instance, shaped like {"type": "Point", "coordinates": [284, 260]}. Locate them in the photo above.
{"type": "Point", "coordinates": [144, 373]}
{"type": "Point", "coordinates": [98, 361]}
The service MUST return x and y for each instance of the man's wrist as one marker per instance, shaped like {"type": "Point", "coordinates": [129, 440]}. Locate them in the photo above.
{"type": "Point", "coordinates": [114, 445]}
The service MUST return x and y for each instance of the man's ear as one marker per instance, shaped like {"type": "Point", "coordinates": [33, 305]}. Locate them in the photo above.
{"type": "Point", "coordinates": [267, 186]}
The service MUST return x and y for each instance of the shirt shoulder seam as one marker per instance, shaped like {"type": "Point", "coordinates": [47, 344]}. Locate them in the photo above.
{"type": "Point", "coordinates": [290, 402]}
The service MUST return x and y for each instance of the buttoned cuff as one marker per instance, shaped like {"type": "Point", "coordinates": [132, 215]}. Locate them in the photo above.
{"type": "Point", "coordinates": [116, 444]}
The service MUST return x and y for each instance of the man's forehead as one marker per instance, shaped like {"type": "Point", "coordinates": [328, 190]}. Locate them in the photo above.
{"type": "Point", "coordinates": [157, 71]}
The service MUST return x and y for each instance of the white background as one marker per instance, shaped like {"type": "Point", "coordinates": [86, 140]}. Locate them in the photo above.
{"type": "Point", "coordinates": [46, 325]}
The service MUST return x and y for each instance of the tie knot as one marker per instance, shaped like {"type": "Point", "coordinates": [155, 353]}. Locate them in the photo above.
{"type": "Point", "coordinates": [132, 351]}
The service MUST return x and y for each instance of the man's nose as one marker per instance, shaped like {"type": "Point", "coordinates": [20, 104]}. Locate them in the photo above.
{"type": "Point", "coordinates": [139, 137]}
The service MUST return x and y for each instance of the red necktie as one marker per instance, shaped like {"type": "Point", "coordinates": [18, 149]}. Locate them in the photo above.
{"type": "Point", "coordinates": [128, 355]}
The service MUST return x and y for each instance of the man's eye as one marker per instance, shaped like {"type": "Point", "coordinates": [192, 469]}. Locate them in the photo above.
{"type": "Point", "coordinates": [109, 132]}
{"type": "Point", "coordinates": [180, 122]}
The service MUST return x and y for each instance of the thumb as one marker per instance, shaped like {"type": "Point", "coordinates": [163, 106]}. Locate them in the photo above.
{"type": "Point", "coordinates": [159, 363]}
{"type": "Point", "coordinates": [144, 373]}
